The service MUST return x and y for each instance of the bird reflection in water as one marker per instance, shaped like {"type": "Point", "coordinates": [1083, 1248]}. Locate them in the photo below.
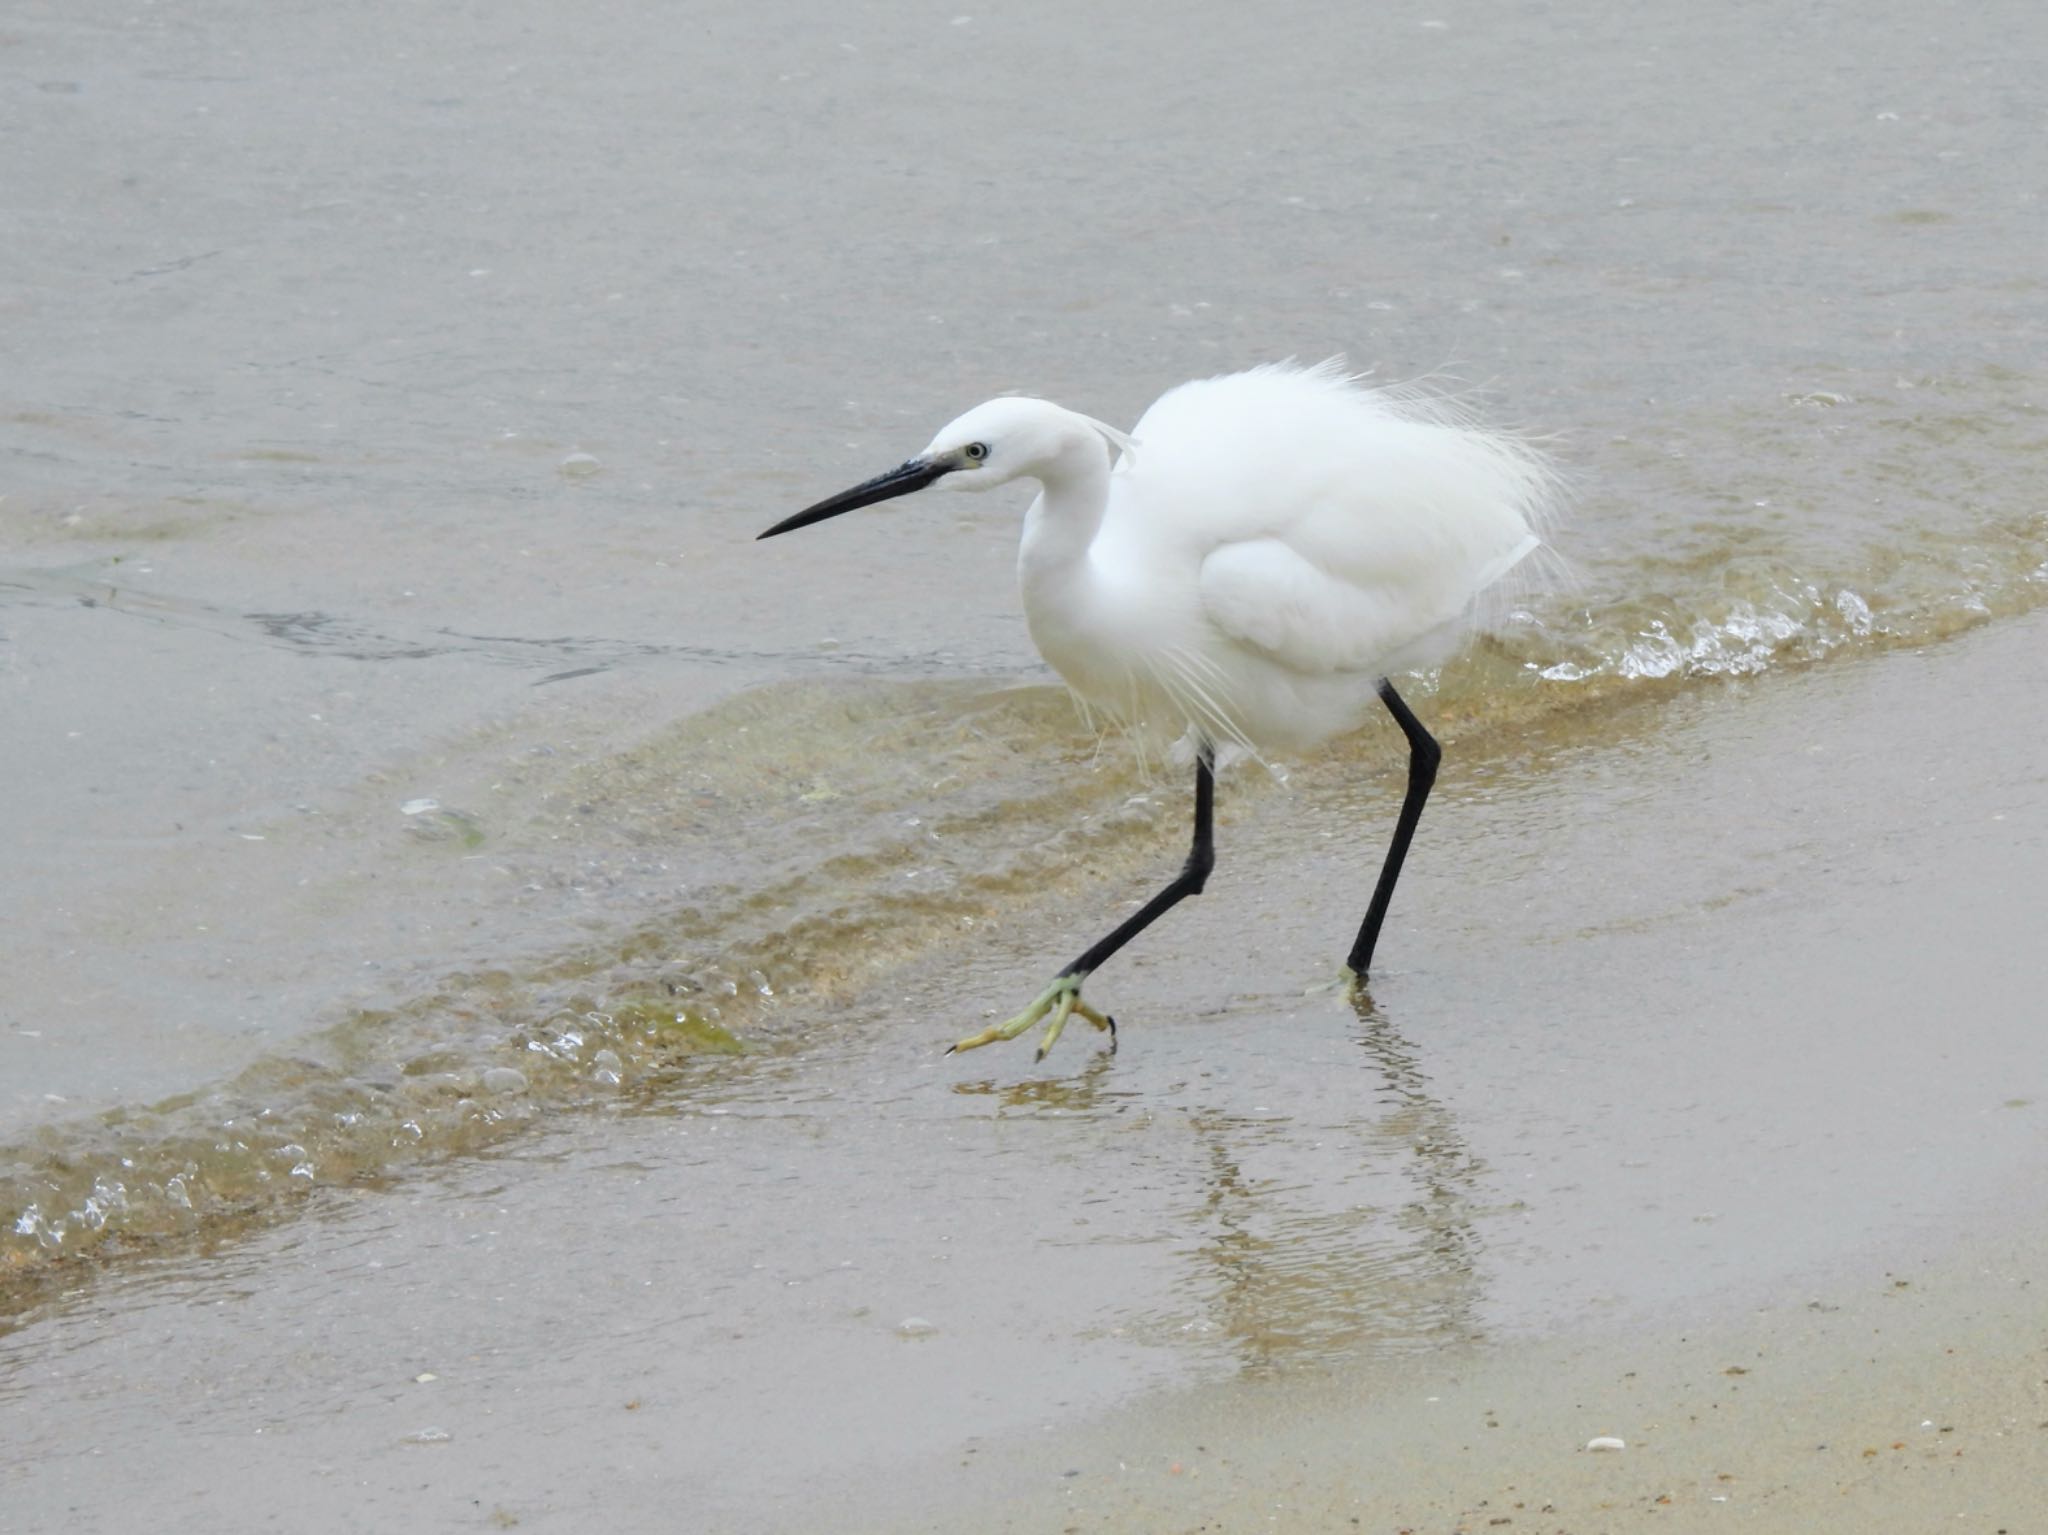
{"type": "Point", "coordinates": [1081, 1093]}
{"type": "Point", "coordinates": [1391, 1262]}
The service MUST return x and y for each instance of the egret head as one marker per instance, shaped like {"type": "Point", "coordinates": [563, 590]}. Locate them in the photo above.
{"type": "Point", "coordinates": [995, 443]}
{"type": "Point", "coordinates": [991, 445]}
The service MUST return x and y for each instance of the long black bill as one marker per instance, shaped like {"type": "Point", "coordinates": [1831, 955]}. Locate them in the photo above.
{"type": "Point", "coordinates": [900, 481]}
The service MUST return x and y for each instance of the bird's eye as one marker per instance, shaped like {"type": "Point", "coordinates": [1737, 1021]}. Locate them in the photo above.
{"type": "Point", "coordinates": [976, 452]}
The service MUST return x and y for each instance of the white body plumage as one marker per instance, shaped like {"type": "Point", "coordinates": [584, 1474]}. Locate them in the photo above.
{"type": "Point", "coordinates": [1270, 544]}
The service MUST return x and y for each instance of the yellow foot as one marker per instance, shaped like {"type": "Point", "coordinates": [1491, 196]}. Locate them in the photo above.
{"type": "Point", "coordinates": [1062, 999]}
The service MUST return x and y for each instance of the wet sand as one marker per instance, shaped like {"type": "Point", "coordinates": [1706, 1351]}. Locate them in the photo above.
{"type": "Point", "coordinates": [1891, 1400]}
{"type": "Point", "coordinates": [1698, 1036]}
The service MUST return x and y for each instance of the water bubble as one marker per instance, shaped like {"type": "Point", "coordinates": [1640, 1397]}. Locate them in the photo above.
{"type": "Point", "coordinates": [1855, 610]}
{"type": "Point", "coordinates": [580, 466]}
{"type": "Point", "coordinates": [104, 1199]}
{"type": "Point", "coordinates": [563, 1045]}
{"type": "Point", "coordinates": [915, 1327]}
{"type": "Point", "coordinates": [504, 1080]}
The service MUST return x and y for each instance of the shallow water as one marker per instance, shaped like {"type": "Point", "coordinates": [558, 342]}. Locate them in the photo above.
{"type": "Point", "coordinates": [1602, 1089]}
{"type": "Point", "coordinates": [394, 700]}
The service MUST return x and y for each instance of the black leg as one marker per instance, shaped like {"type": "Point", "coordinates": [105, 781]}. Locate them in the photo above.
{"type": "Point", "coordinates": [1423, 756]}
{"type": "Point", "coordinates": [1062, 999]}
{"type": "Point", "coordinates": [1193, 875]}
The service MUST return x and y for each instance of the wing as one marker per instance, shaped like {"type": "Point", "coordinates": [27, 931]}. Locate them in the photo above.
{"type": "Point", "coordinates": [1267, 594]}
{"type": "Point", "coordinates": [1336, 527]}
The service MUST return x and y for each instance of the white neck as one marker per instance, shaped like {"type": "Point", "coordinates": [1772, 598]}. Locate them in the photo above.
{"type": "Point", "coordinates": [1063, 521]}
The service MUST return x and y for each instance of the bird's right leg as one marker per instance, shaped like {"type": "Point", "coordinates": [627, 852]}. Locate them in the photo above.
{"type": "Point", "coordinates": [1062, 999]}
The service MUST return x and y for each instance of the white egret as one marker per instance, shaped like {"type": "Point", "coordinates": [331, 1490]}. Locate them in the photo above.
{"type": "Point", "coordinates": [1264, 550]}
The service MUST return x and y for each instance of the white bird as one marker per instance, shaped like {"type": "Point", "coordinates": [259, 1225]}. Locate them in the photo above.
{"type": "Point", "coordinates": [1263, 551]}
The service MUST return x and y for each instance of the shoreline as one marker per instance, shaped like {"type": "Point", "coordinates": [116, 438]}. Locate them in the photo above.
{"type": "Point", "coordinates": [1587, 1126]}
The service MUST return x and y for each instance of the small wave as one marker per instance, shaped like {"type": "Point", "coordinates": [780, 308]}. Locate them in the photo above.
{"type": "Point", "coordinates": [689, 996]}
{"type": "Point", "coordinates": [1757, 616]}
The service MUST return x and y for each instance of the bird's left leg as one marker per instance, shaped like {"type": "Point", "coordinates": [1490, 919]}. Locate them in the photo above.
{"type": "Point", "coordinates": [1062, 999]}
{"type": "Point", "coordinates": [1423, 756]}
